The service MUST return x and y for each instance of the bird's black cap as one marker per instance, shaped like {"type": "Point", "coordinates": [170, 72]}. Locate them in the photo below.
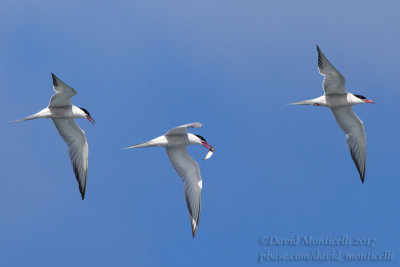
{"type": "Point", "coordinates": [361, 97]}
{"type": "Point", "coordinates": [84, 110]}
{"type": "Point", "coordinates": [201, 137]}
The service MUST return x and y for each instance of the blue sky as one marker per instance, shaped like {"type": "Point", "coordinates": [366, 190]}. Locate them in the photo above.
{"type": "Point", "coordinates": [143, 67]}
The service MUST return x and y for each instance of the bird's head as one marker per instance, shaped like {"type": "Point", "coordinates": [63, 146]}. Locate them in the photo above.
{"type": "Point", "coordinates": [88, 115]}
{"type": "Point", "coordinates": [363, 99]}
{"type": "Point", "coordinates": [201, 140]}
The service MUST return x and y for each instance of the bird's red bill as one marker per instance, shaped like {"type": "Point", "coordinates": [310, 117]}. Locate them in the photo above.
{"type": "Point", "coordinates": [91, 119]}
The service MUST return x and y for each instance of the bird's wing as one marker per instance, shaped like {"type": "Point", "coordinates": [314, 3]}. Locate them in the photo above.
{"type": "Point", "coordinates": [189, 170]}
{"type": "Point", "coordinates": [78, 149]}
{"type": "Point", "coordinates": [183, 128]}
{"type": "Point", "coordinates": [63, 93]}
{"type": "Point", "coordinates": [334, 81]}
{"type": "Point", "coordinates": [355, 136]}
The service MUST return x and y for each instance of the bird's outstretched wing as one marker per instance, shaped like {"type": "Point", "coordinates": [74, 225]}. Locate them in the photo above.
{"type": "Point", "coordinates": [183, 128]}
{"type": "Point", "coordinates": [355, 136]}
{"type": "Point", "coordinates": [63, 95]}
{"type": "Point", "coordinates": [188, 169]}
{"type": "Point", "coordinates": [334, 81]}
{"type": "Point", "coordinates": [78, 149]}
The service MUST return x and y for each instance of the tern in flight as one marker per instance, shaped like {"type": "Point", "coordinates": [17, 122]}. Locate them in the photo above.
{"type": "Point", "coordinates": [340, 101]}
{"type": "Point", "coordinates": [62, 112]}
{"type": "Point", "coordinates": [175, 142]}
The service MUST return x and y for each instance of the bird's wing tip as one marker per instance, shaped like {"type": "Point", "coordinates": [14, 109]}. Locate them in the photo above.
{"type": "Point", "coordinates": [197, 124]}
{"type": "Point", "coordinates": [82, 190]}
{"type": "Point", "coordinates": [82, 193]}
{"type": "Point", "coordinates": [54, 77]}
{"type": "Point", "coordinates": [194, 225]}
{"type": "Point", "coordinates": [194, 230]}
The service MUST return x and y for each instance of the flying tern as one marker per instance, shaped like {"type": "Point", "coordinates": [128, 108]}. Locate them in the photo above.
{"type": "Point", "coordinates": [175, 142]}
{"type": "Point", "coordinates": [340, 101]}
{"type": "Point", "coordinates": [62, 112]}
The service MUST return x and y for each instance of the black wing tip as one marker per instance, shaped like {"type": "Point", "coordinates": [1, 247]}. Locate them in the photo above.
{"type": "Point", "coordinates": [82, 193]}
{"type": "Point", "coordinates": [194, 230]}
{"type": "Point", "coordinates": [196, 221]}
{"type": "Point", "coordinates": [82, 188]}
{"type": "Point", "coordinates": [54, 79]}
{"type": "Point", "coordinates": [194, 225]}
{"type": "Point", "coordinates": [362, 174]}
{"type": "Point", "coordinates": [360, 171]}
{"type": "Point", "coordinates": [320, 64]}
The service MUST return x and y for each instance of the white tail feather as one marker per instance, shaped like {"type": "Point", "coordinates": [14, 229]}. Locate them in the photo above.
{"type": "Point", "coordinates": [159, 141]}
{"type": "Point", "coordinates": [305, 102]}
{"type": "Point", "coordinates": [31, 117]}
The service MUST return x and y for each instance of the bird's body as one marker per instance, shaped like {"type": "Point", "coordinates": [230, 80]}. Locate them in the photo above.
{"type": "Point", "coordinates": [62, 112]}
{"type": "Point", "coordinates": [333, 100]}
{"type": "Point", "coordinates": [340, 102]}
{"type": "Point", "coordinates": [175, 142]}
{"type": "Point", "coordinates": [171, 141]}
